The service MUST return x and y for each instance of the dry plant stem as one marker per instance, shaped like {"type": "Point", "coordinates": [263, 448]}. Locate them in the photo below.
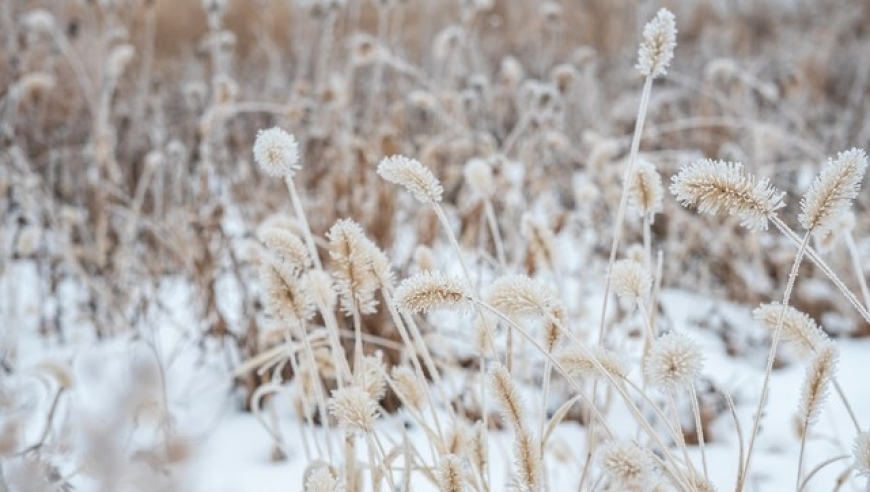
{"type": "Point", "coordinates": [496, 235]}
{"type": "Point", "coordinates": [326, 37]}
{"type": "Point", "coordinates": [357, 338]}
{"type": "Point", "coordinates": [418, 351]}
{"type": "Point", "coordinates": [647, 243]}
{"type": "Point", "coordinates": [623, 201]}
{"type": "Point", "coordinates": [699, 428]}
{"type": "Point", "coordinates": [820, 467]}
{"type": "Point", "coordinates": [819, 262]}
{"type": "Point", "coordinates": [382, 460]}
{"type": "Point", "coordinates": [85, 83]}
{"type": "Point", "coordinates": [680, 437]}
{"type": "Point", "coordinates": [839, 390]}
{"type": "Point", "coordinates": [350, 474]}
{"type": "Point", "coordinates": [546, 396]}
{"type": "Point", "coordinates": [306, 230]}
{"type": "Point", "coordinates": [332, 330]}
{"type": "Point", "coordinates": [632, 407]}
{"type": "Point", "coordinates": [792, 276]}
{"type": "Point", "coordinates": [318, 387]}
{"type": "Point", "coordinates": [859, 270]}
{"type": "Point", "coordinates": [275, 387]}
{"type": "Point", "coordinates": [800, 464]}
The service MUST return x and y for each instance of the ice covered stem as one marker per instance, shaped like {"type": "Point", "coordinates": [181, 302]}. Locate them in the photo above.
{"type": "Point", "coordinates": [654, 56]}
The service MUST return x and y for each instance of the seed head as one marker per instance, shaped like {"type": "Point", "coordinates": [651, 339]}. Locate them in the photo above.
{"type": "Point", "coordinates": [354, 409]}
{"type": "Point", "coordinates": [645, 192]}
{"type": "Point", "coordinates": [626, 465]}
{"type": "Point", "coordinates": [715, 187]}
{"type": "Point", "coordinates": [673, 363]}
{"type": "Point", "coordinates": [413, 175]}
{"type": "Point", "coordinates": [797, 327]}
{"type": "Point", "coordinates": [819, 374]}
{"type": "Point", "coordinates": [657, 47]}
{"type": "Point", "coordinates": [276, 152]}
{"type": "Point", "coordinates": [429, 290]}
{"type": "Point", "coordinates": [630, 280]}
{"type": "Point", "coordinates": [832, 192]}
{"type": "Point", "coordinates": [861, 453]}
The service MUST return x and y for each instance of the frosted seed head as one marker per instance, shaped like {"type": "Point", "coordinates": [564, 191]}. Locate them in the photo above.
{"type": "Point", "coordinates": [673, 362]}
{"type": "Point", "coordinates": [412, 175]}
{"type": "Point", "coordinates": [354, 409]}
{"type": "Point", "coordinates": [626, 465]}
{"type": "Point", "coordinates": [630, 280]}
{"type": "Point", "coordinates": [276, 152]}
{"type": "Point", "coordinates": [430, 290]}
{"type": "Point", "coordinates": [645, 191]}
{"type": "Point", "coordinates": [716, 187]}
{"type": "Point", "coordinates": [861, 453]}
{"type": "Point", "coordinates": [478, 175]}
{"type": "Point", "coordinates": [831, 193]}
{"type": "Point", "coordinates": [657, 48]}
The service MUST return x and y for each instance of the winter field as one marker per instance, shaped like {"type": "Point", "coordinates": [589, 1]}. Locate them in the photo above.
{"type": "Point", "coordinates": [412, 245]}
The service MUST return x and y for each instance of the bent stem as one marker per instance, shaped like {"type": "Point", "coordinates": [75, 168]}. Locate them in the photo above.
{"type": "Point", "coordinates": [300, 215]}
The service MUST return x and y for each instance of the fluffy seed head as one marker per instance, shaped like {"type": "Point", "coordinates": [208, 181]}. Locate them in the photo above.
{"type": "Point", "coordinates": [354, 409]}
{"type": "Point", "coordinates": [797, 327]}
{"type": "Point", "coordinates": [673, 362]}
{"type": "Point", "coordinates": [715, 187]}
{"type": "Point", "coordinates": [626, 465]}
{"type": "Point", "coordinates": [478, 175]}
{"type": "Point", "coordinates": [355, 280]}
{"type": "Point", "coordinates": [449, 474]}
{"type": "Point", "coordinates": [413, 175]}
{"type": "Point", "coordinates": [521, 296]}
{"type": "Point", "coordinates": [430, 290]}
{"type": "Point", "coordinates": [408, 387]}
{"type": "Point", "coordinates": [285, 295]}
{"type": "Point", "coordinates": [590, 364]}
{"type": "Point", "coordinates": [321, 479]}
{"type": "Point", "coordinates": [861, 453]}
{"type": "Point", "coordinates": [657, 48]}
{"type": "Point", "coordinates": [507, 394]}
{"type": "Point", "coordinates": [630, 280]}
{"type": "Point", "coordinates": [528, 460]}
{"type": "Point", "coordinates": [276, 152]}
{"type": "Point", "coordinates": [286, 247]}
{"type": "Point", "coordinates": [372, 376]}
{"type": "Point", "coordinates": [833, 190]}
{"type": "Point", "coordinates": [645, 191]}
{"type": "Point", "coordinates": [818, 377]}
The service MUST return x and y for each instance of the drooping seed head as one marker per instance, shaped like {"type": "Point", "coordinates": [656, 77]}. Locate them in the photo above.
{"type": "Point", "coordinates": [430, 290]}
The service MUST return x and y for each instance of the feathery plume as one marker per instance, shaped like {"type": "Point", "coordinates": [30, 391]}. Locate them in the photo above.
{"type": "Point", "coordinates": [354, 270]}
{"type": "Point", "coordinates": [529, 463]}
{"type": "Point", "coordinates": [449, 474]}
{"type": "Point", "coordinates": [797, 327]}
{"type": "Point", "coordinates": [657, 48]}
{"type": "Point", "coordinates": [576, 361]}
{"type": "Point", "coordinates": [354, 409]}
{"type": "Point", "coordinates": [645, 191]}
{"type": "Point", "coordinates": [673, 362]}
{"type": "Point", "coordinates": [833, 190]}
{"type": "Point", "coordinates": [507, 394]}
{"type": "Point", "coordinates": [630, 280]}
{"type": "Point", "coordinates": [861, 453]}
{"type": "Point", "coordinates": [819, 374]}
{"type": "Point", "coordinates": [521, 296]}
{"type": "Point", "coordinates": [429, 290]}
{"type": "Point", "coordinates": [413, 175]}
{"type": "Point", "coordinates": [718, 186]}
{"type": "Point", "coordinates": [626, 465]}
{"type": "Point", "coordinates": [276, 152]}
